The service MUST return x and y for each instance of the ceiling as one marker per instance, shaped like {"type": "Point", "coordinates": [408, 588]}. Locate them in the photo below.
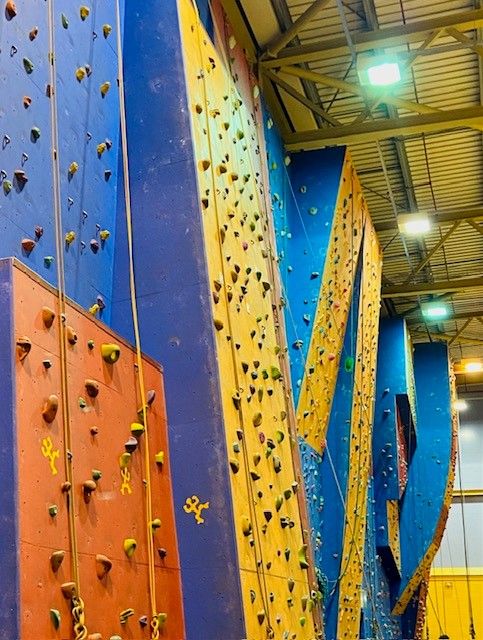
{"type": "Point", "coordinates": [416, 148]}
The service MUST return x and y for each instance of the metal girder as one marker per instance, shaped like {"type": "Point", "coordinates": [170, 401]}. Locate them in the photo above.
{"type": "Point", "coordinates": [287, 36]}
{"type": "Point", "coordinates": [446, 337]}
{"type": "Point", "coordinates": [460, 331]}
{"type": "Point", "coordinates": [440, 218]}
{"type": "Point", "coordinates": [368, 93]}
{"type": "Point", "coordinates": [396, 36]}
{"type": "Point", "coordinates": [455, 316]}
{"type": "Point", "coordinates": [386, 128]}
{"type": "Point", "coordinates": [410, 290]}
{"type": "Point", "coordinates": [475, 226]}
{"type": "Point", "coordinates": [432, 251]}
{"type": "Point", "coordinates": [300, 97]}
{"type": "Point", "coordinates": [465, 41]}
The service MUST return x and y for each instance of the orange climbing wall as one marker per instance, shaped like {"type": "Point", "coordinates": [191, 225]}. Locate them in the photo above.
{"type": "Point", "coordinates": [114, 513]}
{"type": "Point", "coordinates": [352, 570]}
{"type": "Point", "coordinates": [276, 592]}
{"type": "Point", "coordinates": [323, 359]}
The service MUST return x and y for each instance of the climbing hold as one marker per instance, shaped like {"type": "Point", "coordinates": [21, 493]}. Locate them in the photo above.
{"type": "Point", "coordinates": [88, 488]}
{"type": "Point", "coordinates": [34, 32]}
{"type": "Point", "coordinates": [96, 475]}
{"type": "Point", "coordinates": [84, 12]}
{"type": "Point", "coordinates": [71, 335]}
{"type": "Point", "coordinates": [246, 526]}
{"type": "Point", "coordinates": [218, 324]}
{"type": "Point", "coordinates": [234, 465]}
{"type": "Point", "coordinates": [10, 9]}
{"type": "Point", "coordinates": [48, 260]}
{"type": "Point", "coordinates": [204, 164]}
{"type": "Point", "coordinates": [64, 21]}
{"type": "Point", "coordinates": [103, 565]}
{"type": "Point", "coordinates": [27, 101]}
{"type": "Point", "coordinates": [56, 559]}
{"type": "Point", "coordinates": [90, 345]}
{"type": "Point", "coordinates": [257, 419]}
{"type": "Point", "coordinates": [291, 584]}
{"type": "Point", "coordinates": [275, 373]}
{"type": "Point", "coordinates": [104, 88]}
{"type": "Point", "coordinates": [21, 178]}
{"type": "Point", "coordinates": [106, 30]}
{"type": "Point", "coordinates": [53, 510]}
{"type": "Point", "coordinates": [50, 409]}
{"type": "Point", "coordinates": [110, 353]}
{"type": "Point", "coordinates": [349, 364]}
{"type": "Point", "coordinates": [261, 616]}
{"type": "Point", "coordinates": [131, 444]}
{"type": "Point", "coordinates": [101, 148]}
{"type": "Point", "coordinates": [124, 459]}
{"type": "Point", "coordinates": [73, 168]}
{"type": "Point", "coordinates": [94, 431]}
{"type": "Point", "coordinates": [39, 231]}
{"type": "Point", "coordinates": [69, 237]}
{"type": "Point", "coordinates": [47, 363]}
{"type": "Point", "coordinates": [143, 621]}
{"type": "Point", "coordinates": [94, 244]}
{"type": "Point", "coordinates": [279, 436]}
{"type": "Point", "coordinates": [28, 245]}
{"type": "Point", "coordinates": [7, 186]}
{"type": "Point", "coordinates": [277, 464]}
{"type": "Point", "coordinates": [94, 636]}
{"type": "Point", "coordinates": [125, 615]}
{"type": "Point", "coordinates": [55, 617]}
{"type": "Point", "coordinates": [28, 65]}
{"type": "Point", "coordinates": [159, 458]}
{"type": "Point", "coordinates": [92, 388]}
{"type": "Point", "coordinates": [69, 590]}
{"type": "Point", "coordinates": [278, 502]}
{"type": "Point", "coordinates": [137, 429]}
{"type": "Point", "coordinates": [302, 557]}
{"type": "Point", "coordinates": [313, 211]}
{"type": "Point", "coordinates": [34, 134]}
{"type": "Point", "coordinates": [94, 309]}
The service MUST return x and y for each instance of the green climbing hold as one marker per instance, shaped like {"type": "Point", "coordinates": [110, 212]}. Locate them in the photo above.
{"type": "Point", "coordinates": [279, 436]}
{"type": "Point", "coordinates": [53, 510]}
{"type": "Point", "coordinates": [349, 364]}
{"type": "Point", "coordinates": [275, 373]}
{"type": "Point", "coordinates": [96, 474]}
{"type": "Point", "coordinates": [55, 618]}
{"type": "Point", "coordinates": [155, 524]}
{"type": "Point", "coordinates": [257, 419]}
{"type": "Point", "coordinates": [35, 133]}
{"type": "Point", "coordinates": [7, 186]}
{"type": "Point", "coordinates": [129, 545]}
{"type": "Point", "coordinates": [278, 502]}
{"type": "Point", "coordinates": [64, 21]}
{"type": "Point", "coordinates": [28, 65]}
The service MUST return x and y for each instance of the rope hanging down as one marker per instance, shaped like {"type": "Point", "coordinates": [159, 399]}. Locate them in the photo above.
{"type": "Point", "coordinates": [155, 623]}
{"type": "Point", "coordinates": [77, 604]}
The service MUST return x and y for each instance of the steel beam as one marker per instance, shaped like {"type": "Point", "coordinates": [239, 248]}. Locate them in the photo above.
{"type": "Point", "coordinates": [420, 289]}
{"type": "Point", "coordinates": [432, 251]}
{"type": "Point", "coordinates": [471, 117]}
{"type": "Point", "coordinates": [455, 316]}
{"type": "Point", "coordinates": [460, 331]}
{"type": "Point", "coordinates": [287, 36]}
{"type": "Point", "coordinates": [446, 337]}
{"type": "Point", "coordinates": [367, 93]}
{"type": "Point", "coordinates": [300, 97]}
{"type": "Point", "coordinates": [475, 226]}
{"type": "Point", "coordinates": [396, 36]}
{"type": "Point", "coordinates": [440, 218]}
{"type": "Point", "coordinates": [465, 41]}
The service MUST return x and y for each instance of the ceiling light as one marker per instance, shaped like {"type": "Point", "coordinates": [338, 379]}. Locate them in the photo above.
{"type": "Point", "coordinates": [434, 310]}
{"type": "Point", "coordinates": [378, 71]}
{"type": "Point", "coordinates": [473, 367]}
{"type": "Point", "coordinates": [460, 405]}
{"type": "Point", "coordinates": [382, 75]}
{"type": "Point", "coordinates": [414, 224]}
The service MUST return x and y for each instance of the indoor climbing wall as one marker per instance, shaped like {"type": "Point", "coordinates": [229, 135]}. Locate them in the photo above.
{"type": "Point", "coordinates": [331, 267]}
{"type": "Point", "coordinates": [277, 595]}
{"type": "Point", "coordinates": [414, 453]}
{"type": "Point", "coordinates": [84, 117]}
{"type": "Point", "coordinates": [74, 477]}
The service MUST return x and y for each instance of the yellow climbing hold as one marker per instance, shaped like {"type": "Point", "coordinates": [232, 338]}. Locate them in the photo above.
{"type": "Point", "coordinates": [130, 545]}
{"type": "Point", "coordinates": [110, 353]}
{"type": "Point", "coordinates": [104, 88]}
{"type": "Point", "coordinates": [80, 73]}
{"type": "Point", "coordinates": [159, 458]}
{"type": "Point", "coordinates": [137, 429]}
{"type": "Point", "coordinates": [106, 30]}
{"type": "Point", "coordinates": [124, 459]}
{"type": "Point", "coordinates": [104, 234]}
{"type": "Point", "coordinates": [84, 12]}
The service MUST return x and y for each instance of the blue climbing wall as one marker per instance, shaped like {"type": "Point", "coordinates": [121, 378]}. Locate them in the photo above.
{"type": "Point", "coordinates": [304, 194]}
{"type": "Point", "coordinates": [85, 120]}
{"type": "Point", "coordinates": [174, 309]}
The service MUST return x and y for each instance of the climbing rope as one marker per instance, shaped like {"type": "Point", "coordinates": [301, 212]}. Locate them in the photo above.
{"type": "Point", "coordinates": [77, 604]}
{"type": "Point", "coordinates": [155, 623]}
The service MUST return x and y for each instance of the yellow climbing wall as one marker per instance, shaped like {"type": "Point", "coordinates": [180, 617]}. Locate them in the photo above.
{"type": "Point", "coordinates": [325, 348]}
{"type": "Point", "coordinates": [277, 595]}
{"type": "Point", "coordinates": [360, 441]}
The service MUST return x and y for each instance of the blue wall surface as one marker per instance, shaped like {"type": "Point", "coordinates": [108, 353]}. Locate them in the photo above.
{"type": "Point", "coordinates": [175, 312]}
{"type": "Point", "coordinates": [85, 119]}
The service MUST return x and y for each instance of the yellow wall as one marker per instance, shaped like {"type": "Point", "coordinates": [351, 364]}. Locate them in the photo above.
{"type": "Point", "coordinates": [275, 586]}
{"type": "Point", "coordinates": [448, 603]}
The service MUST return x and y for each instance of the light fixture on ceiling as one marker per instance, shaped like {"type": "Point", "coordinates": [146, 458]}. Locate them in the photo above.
{"type": "Point", "coordinates": [414, 224]}
{"type": "Point", "coordinates": [434, 310]}
{"type": "Point", "coordinates": [378, 71]}
{"type": "Point", "coordinates": [473, 366]}
{"type": "Point", "coordinates": [460, 405]}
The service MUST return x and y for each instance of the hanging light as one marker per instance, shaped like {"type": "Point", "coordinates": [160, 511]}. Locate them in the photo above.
{"type": "Point", "coordinates": [414, 224]}
{"type": "Point", "coordinates": [434, 310]}
{"type": "Point", "coordinates": [378, 71]}
{"type": "Point", "coordinates": [460, 405]}
{"type": "Point", "coordinates": [474, 366]}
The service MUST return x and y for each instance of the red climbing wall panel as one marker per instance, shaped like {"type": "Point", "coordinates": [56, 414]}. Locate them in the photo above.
{"type": "Point", "coordinates": [100, 427]}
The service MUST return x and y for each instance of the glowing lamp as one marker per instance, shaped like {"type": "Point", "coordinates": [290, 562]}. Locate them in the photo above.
{"type": "Point", "coordinates": [460, 405]}
{"type": "Point", "coordinates": [414, 224]}
{"type": "Point", "coordinates": [378, 71]}
{"type": "Point", "coordinates": [435, 310]}
{"type": "Point", "coordinates": [473, 367]}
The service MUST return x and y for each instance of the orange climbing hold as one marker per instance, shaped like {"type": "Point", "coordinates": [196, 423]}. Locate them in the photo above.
{"type": "Point", "coordinates": [50, 409]}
